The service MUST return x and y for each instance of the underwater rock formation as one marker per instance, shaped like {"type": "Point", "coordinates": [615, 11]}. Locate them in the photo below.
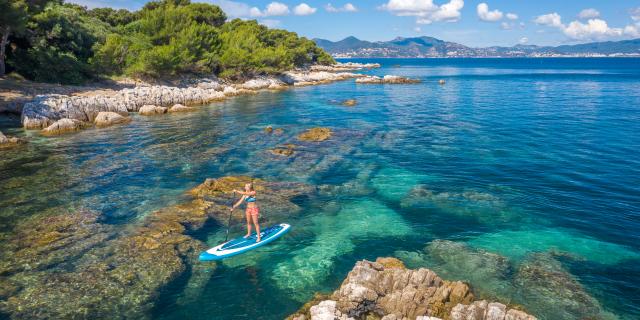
{"type": "Point", "coordinates": [349, 102]}
{"type": "Point", "coordinates": [341, 230]}
{"type": "Point", "coordinates": [543, 281]}
{"type": "Point", "coordinates": [388, 79]}
{"type": "Point", "coordinates": [315, 134]}
{"type": "Point", "coordinates": [71, 265]}
{"type": "Point", "coordinates": [215, 196]}
{"type": "Point", "coordinates": [387, 289]}
{"type": "Point", "coordinates": [287, 150]}
{"type": "Point", "coordinates": [105, 119]}
{"type": "Point", "coordinates": [148, 110]}
{"type": "Point", "coordinates": [7, 142]}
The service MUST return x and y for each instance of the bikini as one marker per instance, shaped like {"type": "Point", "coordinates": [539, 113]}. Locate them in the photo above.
{"type": "Point", "coordinates": [254, 211]}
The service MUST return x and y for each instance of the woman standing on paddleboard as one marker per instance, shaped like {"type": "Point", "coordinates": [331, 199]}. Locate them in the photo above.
{"type": "Point", "coordinates": [252, 212]}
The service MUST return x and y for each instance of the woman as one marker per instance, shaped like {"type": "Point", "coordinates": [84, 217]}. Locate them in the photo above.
{"type": "Point", "coordinates": [252, 212]}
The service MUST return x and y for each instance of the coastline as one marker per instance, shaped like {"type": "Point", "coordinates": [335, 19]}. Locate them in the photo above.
{"type": "Point", "coordinates": [48, 112]}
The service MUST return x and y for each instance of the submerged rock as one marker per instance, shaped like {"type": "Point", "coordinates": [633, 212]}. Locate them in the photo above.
{"type": "Point", "coordinates": [388, 79]}
{"type": "Point", "coordinates": [349, 102]}
{"type": "Point", "coordinates": [148, 110]}
{"type": "Point", "coordinates": [105, 119]}
{"type": "Point", "coordinates": [214, 197]}
{"type": "Point", "coordinates": [287, 150]}
{"type": "Point", "coordinates": [63, 126]}
{"type": "Point", "coordinates": [181, 108]}
{"type": "Point", "coordinates": [8, 142]}
{"type": "Point", "coordinates": [315, 134]}
{"type": "Point", "coordinates": [543, 282]}
{"type": "Point", "coordinates": [385, 289]}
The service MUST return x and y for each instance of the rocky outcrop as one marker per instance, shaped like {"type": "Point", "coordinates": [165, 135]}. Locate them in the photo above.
{"type": "Point", "coordinates": [181, 108]}
{"type": "Point", "coordinates": [64, 126]}
{"type": "Point", "coordinates": [264, 83]}
{"type": "Point", "coordinates": [315, 134]}
{"type": "Point", "coordinates": [305, 78]}
{"type": "Point", "coordinates": [386, 289]}
{"type": "Point", "coordinates": [8, 142]}
{"type": "Point", "coordinates": [105, 119]}
{"type": "Point", "coordinates": [44, 110]}
{"type": "Point", "coordinates": [149, 110]}
{"type": "Point", "coordinates": [388, 79]}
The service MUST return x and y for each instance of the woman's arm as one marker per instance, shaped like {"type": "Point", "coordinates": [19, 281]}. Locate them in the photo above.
{"type": "Point", "coordinates": [238, 203]}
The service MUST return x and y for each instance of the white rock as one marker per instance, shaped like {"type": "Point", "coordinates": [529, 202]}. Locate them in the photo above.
{"type": "Point", "coordinates": [63, 125]}
{"type": "Point", "coordinates": [104, 119]}
{"type": "Point", "coordinates": [181, 108]}
{"type": "Point", "coordinates": [149, 109]}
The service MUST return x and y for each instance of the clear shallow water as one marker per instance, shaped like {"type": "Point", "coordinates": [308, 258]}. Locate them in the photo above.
{"type": "Point", "coordinates": [511, 156]}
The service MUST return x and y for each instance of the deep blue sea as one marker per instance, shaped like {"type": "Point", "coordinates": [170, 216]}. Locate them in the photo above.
{"type": "Point", "coordinates": [512, 163]}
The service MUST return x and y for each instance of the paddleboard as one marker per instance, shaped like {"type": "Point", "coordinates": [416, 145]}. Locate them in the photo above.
{"type": "Point", "coordinates": [240, 245]}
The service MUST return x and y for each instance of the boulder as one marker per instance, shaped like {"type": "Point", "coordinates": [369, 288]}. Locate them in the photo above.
{"type": "Point", "coordinates": [149, 110]}
{"type": "Point", "coordinates": [63, 126]}
{"type": "Point", "coordinates": [315, 134]}
{"type": "Point", "coordinates": [105, 119]}
{"type": "Point", "coordinates": [181, 108]}
{"type": "Point", "coordinates": [385, 289]}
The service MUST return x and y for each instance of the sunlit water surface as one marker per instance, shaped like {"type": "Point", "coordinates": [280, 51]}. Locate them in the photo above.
{"type": "Point", "coordinates": [513, 156]}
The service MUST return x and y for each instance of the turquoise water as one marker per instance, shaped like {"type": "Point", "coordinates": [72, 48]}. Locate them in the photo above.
{"type": "Point", "coordinates": [511, 163]}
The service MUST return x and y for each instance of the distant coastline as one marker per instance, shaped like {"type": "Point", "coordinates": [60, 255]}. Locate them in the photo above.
{"type": "Point", "coordinates": [429, 47]}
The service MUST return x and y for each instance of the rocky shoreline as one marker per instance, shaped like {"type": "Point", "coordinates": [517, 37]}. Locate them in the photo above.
{"type": "Point", "coordinates": [387, 290]}
{"type": "Point", "coordinates": [57, 113]}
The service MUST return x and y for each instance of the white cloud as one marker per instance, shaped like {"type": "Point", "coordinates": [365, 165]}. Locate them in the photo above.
{"type": "Point", "coordinates": [635, 14]}
{"type": "Point", "coordinates": [485, 15]}
{"type": "Point", "coordinates": [272, 9]}
{"type": "Point", "coordinates": [505, 26]}
{"type": "Point", "coordinates": [349, 8]}
{"type": "Point", "coordinates": [512, 16]}
{"type": "Point", "coordinates": [593, 29]}
{"type": "Point", "coordinates": [345, 8]}
{"type": "Point", "coordinates": [551, 20]}
{"type": "Point", "coordinates": [303, 9]}
{"type": "Point", "coordinates": [523, 40]}
{"type": "Point", "coordinates": [417, 29]}
{"type": "Point", "coordinates": [425, 10]}
{"type": "Point", "coordinates": [589, 13]}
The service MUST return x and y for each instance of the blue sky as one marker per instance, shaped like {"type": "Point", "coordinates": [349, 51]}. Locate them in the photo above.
{"type": "Point", "coordinates": [475, 23]}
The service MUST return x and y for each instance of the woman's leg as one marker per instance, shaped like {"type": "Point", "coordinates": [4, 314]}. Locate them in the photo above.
{"type": "Point", "coordinates": [248, 214]}
{"type": "Point", "coordinates": [255, 221]}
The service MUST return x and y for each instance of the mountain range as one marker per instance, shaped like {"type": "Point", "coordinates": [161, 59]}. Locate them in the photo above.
{"type": "Point", "coordinates": [428, 47]}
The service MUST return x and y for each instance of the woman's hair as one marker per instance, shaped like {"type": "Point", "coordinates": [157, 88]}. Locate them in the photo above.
{"type": "Point", "coordinates": [250, 184]}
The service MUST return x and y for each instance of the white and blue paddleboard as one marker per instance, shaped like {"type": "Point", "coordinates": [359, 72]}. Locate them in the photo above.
{"type": "Point", "coordinates": [241, 245]}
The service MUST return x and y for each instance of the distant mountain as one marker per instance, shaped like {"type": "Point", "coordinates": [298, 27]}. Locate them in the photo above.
{"type": "Point", "coordinates": [426, 47]}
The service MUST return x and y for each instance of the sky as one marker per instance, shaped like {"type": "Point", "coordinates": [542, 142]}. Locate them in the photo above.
{"type": "Point", "coordinates": [476, 23]}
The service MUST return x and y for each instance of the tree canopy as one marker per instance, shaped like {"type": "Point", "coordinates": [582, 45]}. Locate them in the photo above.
{"type": "Point", "coordinates": [67, 43]}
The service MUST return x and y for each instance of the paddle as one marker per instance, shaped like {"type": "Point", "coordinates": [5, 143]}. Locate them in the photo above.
{"type": "Point", "coordinates": [233, 199]}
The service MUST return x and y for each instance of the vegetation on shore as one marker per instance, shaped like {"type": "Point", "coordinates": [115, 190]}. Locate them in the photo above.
{"type": "Point", "coordinates": [53, 41]}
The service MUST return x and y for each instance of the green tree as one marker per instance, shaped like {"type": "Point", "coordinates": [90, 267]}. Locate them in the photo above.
{"type": "Point", "coordinates": [59, 45]}
{"type": "Point", "coordinates": [13, 19]}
